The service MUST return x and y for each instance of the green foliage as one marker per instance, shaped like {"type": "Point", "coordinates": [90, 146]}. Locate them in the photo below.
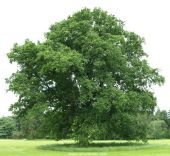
{"type": "Point", "coordinates": [91, 77]}
{"type": "Point", "coordinates": [7, 127]}
{"type": "Point", "coordinates": [159, 125]}
{"type": "Point", "coordinates": [32, 124]}
{"type": "Point", "coordinates": [158, 129]}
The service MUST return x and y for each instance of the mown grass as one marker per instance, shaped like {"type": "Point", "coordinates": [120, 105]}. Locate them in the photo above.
{"type": "Point", "coordinates": [69, 148]}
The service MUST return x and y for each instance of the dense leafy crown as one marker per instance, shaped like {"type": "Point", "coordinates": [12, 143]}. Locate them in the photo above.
{"type": "Point", "coordinates": [90, 77]}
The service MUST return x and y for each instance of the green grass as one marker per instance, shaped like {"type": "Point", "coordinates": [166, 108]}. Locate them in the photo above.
{"type": "Point", "coordinates": [69, 148]}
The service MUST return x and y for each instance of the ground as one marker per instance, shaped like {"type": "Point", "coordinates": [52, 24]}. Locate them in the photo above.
{"type": "Point", "coordinates": [68, 148]}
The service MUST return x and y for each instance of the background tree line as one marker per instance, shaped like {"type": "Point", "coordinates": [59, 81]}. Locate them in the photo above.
{"type": "Point", "coordinates": [32, 126]}
{"type": "Point", "coordinates": [159, 125]}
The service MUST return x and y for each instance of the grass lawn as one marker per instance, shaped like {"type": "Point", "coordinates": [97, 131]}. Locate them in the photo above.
{"type": "Point", "coordinates": [68, 148]}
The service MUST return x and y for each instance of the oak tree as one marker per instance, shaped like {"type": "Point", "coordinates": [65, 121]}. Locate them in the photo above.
{"type": "Point", "coordinates": [90, 76]}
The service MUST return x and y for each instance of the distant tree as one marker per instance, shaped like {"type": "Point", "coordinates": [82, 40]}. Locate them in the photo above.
{"type": "Point", "coordinates": [161, 115]}
{"type": "Point", "coordinates": [158, 129]}
{"type": "Point", "coordinates": [33, 124]}
{"type": "Point", "coordinates": [168, 114]}
{"type": "Point", "coordinates": [168, 120]}
{"type": "Point", "coordinates": [91, 77]}
{"type": "Point", "coordinates": [159, 125]}
{"type": "Point", "coordinates": [7, 127]}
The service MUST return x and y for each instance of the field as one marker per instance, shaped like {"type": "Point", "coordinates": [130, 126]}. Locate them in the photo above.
{"type": "Point", "coordinates": [68, 148]}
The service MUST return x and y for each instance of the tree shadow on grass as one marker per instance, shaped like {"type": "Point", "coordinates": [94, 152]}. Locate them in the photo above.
{"type": "Point", "coordinates": [93, 147]}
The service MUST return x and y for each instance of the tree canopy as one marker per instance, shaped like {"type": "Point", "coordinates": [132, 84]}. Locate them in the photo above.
{"type": "Point", "coordinates": [90, 78]}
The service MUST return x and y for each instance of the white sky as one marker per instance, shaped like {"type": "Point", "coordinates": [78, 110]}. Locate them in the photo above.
{"type": "Point", "coordinates": [22, 19]}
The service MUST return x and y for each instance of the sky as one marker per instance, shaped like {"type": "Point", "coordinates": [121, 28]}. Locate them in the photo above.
{"type": "Point", "coordinates": [30, 19]}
